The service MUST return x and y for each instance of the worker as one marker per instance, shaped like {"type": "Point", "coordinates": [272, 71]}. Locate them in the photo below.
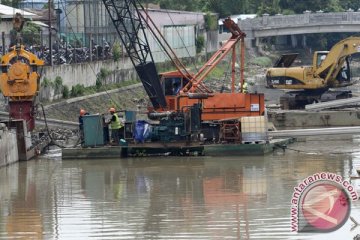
{"type": "Point", "coordinates": [321, 59]}
{"type": "Point", "coordinates": [245, 87]}
{"type": "Point", "coordinates": [81, 123]}
{"type": "Point", "coordinates": [116, 126]}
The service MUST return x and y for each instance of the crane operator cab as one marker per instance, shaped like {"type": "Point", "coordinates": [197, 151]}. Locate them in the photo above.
{"type": "Point", "coordinates": [173, 82]}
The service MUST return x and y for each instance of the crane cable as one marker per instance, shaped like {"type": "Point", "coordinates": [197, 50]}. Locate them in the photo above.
{"type": "Point", "coordinates": [182, 40]}
{"type": "Point", "coordinates": [53, 141]}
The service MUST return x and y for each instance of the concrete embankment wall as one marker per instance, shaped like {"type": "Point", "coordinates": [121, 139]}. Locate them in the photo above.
{"type": "Point", "coordinates": [85, 73]}
{"type": "Point", "coordinates": [123, 70]}
{"type": "Point", "coordinates": [304, 119]}
{"type": "Point", "coordinates": [8, 146]}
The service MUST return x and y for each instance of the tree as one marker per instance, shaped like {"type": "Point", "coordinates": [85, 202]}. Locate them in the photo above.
{"type": "Point", "coordinates": [11, 3]}
{"type": "Point", "coordinates": [31, 34]}
{"type": "Point", "coordinates": [353, 4]}
{"type": "Point", "coordinates": [271, 7]}
{"type": "Point", "coordinates": [313, 5]}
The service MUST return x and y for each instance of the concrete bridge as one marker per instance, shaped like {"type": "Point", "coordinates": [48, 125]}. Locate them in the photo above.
{"type": "Point", "coordinates": [298, 25]}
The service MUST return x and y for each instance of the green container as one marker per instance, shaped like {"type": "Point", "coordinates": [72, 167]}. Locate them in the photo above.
{"type": "Point", "coordinates": [93, 130]}
{"type": "Point", "coordinates": [130, 116]}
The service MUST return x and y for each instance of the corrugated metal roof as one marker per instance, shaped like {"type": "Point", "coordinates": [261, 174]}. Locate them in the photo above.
{"type": "Point", "coordinates": [9, 12]}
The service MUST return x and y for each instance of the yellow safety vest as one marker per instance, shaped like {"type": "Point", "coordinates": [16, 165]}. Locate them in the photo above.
{"type": "Point", "coordinates": [245, 87]}
{"type": "Point", "coordinates": [116, 124]}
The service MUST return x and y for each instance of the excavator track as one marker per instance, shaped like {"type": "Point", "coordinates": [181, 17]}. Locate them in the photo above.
{"type": "Point", "coordinates": [298, 99]}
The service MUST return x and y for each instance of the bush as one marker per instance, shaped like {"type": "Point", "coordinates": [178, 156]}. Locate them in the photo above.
{"type": "Point", "coordinates": [98, 83]}
{"type": "Point", "coordinates": [58, 85]}
{"type": "Point", "coordinates": [46, 82]}
{"type": "Point", "coordinates": [101, 77]}
{"type": "Point", "coordinates": [199, 43]}
{"type": "Point", "coordinates": [65, 92]}
{"type": "Point", "coordinates": [77, 90]}
{"type": "Point", "coordinates": [262, 61]}
{"type": "Point", "coordinates": [211, 22]}
{"type": "Point", "coordinates": [31, 34]}
{"type": "Point", "coordinates": [116, 51]}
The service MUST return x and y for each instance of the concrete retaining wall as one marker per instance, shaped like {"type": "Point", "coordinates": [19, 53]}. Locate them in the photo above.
{"type": "Point", "coordinates": [305, 119]}
{"type": "Point", "coordinates": [8, 146]}
{"type": "Point", "coordinates": [85, 73]}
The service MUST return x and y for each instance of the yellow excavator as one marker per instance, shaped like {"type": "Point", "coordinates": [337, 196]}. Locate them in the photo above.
{"type": "Point", "coordinates": [330, 69]}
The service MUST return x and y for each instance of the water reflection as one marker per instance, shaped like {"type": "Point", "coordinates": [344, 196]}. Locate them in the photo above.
{"type": "Point", "coordinates": [163, 198]}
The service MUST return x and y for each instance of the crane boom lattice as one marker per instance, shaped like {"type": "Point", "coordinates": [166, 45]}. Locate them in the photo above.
{"type": "Point", "coordinates": [127, 21]}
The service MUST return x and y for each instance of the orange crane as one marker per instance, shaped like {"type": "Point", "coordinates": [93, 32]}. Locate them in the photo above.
{"type": "Point", "coordinates": [215, 105]}
{"type": "Point", "coordinates": [130, 24]}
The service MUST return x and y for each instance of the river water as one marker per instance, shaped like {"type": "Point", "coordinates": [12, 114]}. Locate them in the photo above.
{"type": "Point", "coordinates": [169, 197]}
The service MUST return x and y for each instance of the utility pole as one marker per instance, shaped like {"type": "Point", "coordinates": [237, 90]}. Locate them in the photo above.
{"type": "Point", "coordinates": [50, 42]}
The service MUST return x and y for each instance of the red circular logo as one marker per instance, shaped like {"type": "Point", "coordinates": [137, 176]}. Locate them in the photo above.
{"type": "Point", "coordinates": [325, 207]}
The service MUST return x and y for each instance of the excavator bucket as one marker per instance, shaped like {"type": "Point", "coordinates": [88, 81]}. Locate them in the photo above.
{"type": "Point", "coordinates": [286, 60]}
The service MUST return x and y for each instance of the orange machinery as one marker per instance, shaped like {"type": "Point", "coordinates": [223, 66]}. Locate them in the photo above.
{"type": "Point", "coordinates": [183, 89]}
{"type": "Point", "coordinates": [19, 81]}
{"type": "Point", "coordinates": [179, 90]}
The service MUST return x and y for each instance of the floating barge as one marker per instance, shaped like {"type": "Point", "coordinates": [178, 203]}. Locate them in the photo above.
{"type": "Point", "coordinates": [175, 149]}
{"type": "Point", "coordinates": [177, 134]}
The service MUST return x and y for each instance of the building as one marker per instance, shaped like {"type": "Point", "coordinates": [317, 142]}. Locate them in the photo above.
{"type": "Point", "coordinates": [6, 25]}
{"type": "Point", "coordinates": [88, 20]}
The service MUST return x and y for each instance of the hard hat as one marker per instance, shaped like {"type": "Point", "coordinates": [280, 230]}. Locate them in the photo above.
{"type": "Point", "coordinates": [82, 112]}
{"type": "Point", "coordinates": [112, 109]}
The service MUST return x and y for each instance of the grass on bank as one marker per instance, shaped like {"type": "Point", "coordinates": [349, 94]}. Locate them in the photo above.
{"type": "Point", "coordinates": [80, 90]}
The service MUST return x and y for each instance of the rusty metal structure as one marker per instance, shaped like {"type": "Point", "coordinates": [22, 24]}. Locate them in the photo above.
{"type": "Point", "coordinates": [177, 90]}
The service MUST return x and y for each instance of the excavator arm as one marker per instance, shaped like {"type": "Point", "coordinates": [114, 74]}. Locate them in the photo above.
{"type": "Point", "coordinates": [335, 59]}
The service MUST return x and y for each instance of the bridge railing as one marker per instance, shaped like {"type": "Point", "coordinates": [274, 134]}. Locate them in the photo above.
{"type": "Point", "coordinates": [304, 19]}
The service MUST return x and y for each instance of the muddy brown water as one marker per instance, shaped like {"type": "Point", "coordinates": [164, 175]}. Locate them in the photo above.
{"type": "Point", "coordinates": [168, 197]}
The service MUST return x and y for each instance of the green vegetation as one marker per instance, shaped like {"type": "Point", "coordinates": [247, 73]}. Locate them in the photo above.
{"type": "Point", "coordinates": [78, 90]}
{"type": "Point", "coordinates": [199, 43]}
{"type": "Point", "coordinates": [116, 51]}
{"type": "Point", "coordinates": [101, 77]}
{"type": "Point", "coordinates": [81, 90]}
{"type": "Point", "coordinates": [262, 61]}
{"type": "Point", "coordinates": [47, 82]}
{"type": "Point", "coordinates": [11, 3]}
{"type": "Point", "coordinates": [221, 70]}
{"type": "Point", "coordinates": [66, 92]}
{"type": "Point", "coordinates": [227, 7]}
{"type": "Point", "coordinates": [31, 34]}
{"type": "Point", "coordinates": [58, 85]}
{"type": "Point", "coordinates": [211, 21]}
